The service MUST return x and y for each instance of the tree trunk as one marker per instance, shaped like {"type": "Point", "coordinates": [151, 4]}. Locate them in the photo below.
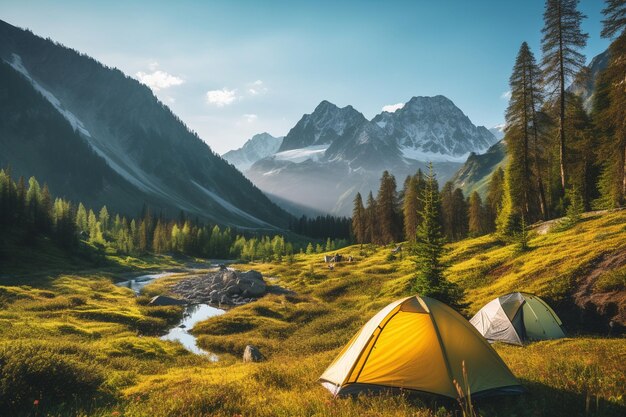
{"type": "Point", "coordinates": [623, 170]}
{"type": "Point", "coordinates": [562, 115]}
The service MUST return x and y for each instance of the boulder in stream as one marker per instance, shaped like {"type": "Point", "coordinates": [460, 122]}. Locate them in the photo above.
{"type": "Point", "coordinates": [163, 300]}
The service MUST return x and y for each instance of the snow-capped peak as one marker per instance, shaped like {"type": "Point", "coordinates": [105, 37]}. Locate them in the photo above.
{"type": "Point", "coordinates": [258, 147]}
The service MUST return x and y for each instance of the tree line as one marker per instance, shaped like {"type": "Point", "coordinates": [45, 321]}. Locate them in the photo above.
{"type": "Point", "coordinates": [322, 227]}
{"type": "Point", "coordinates": [395, 216]}
{"type": "Point", "coordinates": [562, 158]}
{"type": "Point", "coordinates": [28, 209]}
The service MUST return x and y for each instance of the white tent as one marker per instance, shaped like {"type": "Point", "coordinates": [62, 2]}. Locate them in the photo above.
{"type": "Point", "coordinates": [518, 317]}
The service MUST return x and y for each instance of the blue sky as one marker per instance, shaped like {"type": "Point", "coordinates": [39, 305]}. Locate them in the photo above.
{"type": "Point", "coordinates": [230, 69]}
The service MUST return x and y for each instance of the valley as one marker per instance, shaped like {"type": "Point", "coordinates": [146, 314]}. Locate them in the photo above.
{"type": "Point", "coordinates": [427, 220]}
{"type": "Point", "coordinates": [108, 342]}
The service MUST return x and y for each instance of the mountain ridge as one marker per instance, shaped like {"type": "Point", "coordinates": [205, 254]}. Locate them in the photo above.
{"type": "Point", "coordinates": [335, 152]}
{"type": "Point", "coordinates": [139, 137]}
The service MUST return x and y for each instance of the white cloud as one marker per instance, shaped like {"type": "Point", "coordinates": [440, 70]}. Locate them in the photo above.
{"type": "Point", "coordinates": [393, 107]}
{"type": "Point", "coordinates": [506, 95]}
{"type": "Point", "coordinates": [158, 80]}
{"type": "Point", "coordinates": [221, 98]}
{"type": "Point", "coordinates": [250, 117]}
{"type": "Point", "coordinates": [257, 87]}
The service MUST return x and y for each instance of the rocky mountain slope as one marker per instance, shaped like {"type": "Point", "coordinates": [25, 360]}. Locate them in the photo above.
{"type": "Point", "coordinates": [258, 147]}
{"type": "Point", "coordinates": [99, 136]}
{"type": "Point", "coordinates": [333, 153]}
{"type": "Point", "coordinates": [476, 172]}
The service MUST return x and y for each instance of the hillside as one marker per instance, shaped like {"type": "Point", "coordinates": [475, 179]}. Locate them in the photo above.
{"type": "Point", "coordinates": [103, 337]}
{"type": "Point", "coordinates": [476, 172]}
{"type": "Point", "coordinates": [99, 136]}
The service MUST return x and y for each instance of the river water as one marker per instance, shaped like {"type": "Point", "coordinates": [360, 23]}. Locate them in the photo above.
{"type": "Point", "coordinates": [192, 315]}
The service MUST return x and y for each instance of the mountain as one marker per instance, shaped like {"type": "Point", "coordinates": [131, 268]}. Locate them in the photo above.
{"type": "Point", "coordinates": [498, 131]}
{"type": "Point", "coordinates": [584, 84]}
{"type": "Point", "coordinates": [475, 173]}
{"type": "Point", "coordinates": [428, 128]}
{"type": "Point", "coordinates": [258, 147]}
{"type": "Point", "coordinates": [333, 153]}
{"type": "Point", "coordinates": [101, 137]}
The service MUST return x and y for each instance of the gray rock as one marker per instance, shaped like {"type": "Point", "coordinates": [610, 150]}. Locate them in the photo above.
{"type": "Point", "coordinates": [251, 287]}
{"type": "Point", "coordinates": [229, 276]}
{"type": "Point", "coordinates": [232, 290]}
{"type": "Point", "coordinates": [162, 300]}
{"type": "Point", "coordinates": [251, 275]}
{"type": "Point", "coordinates": [252, 354]}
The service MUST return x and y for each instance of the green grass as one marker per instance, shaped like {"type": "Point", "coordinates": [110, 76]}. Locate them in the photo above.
{"type": "Point", "coordinates": [110, 363]}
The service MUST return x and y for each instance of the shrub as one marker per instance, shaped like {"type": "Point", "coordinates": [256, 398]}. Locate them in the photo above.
{"type": "Point", "coordinates": [34, 371]}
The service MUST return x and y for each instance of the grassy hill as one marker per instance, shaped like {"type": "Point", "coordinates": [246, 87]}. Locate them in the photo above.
{"type": "Point", "coordinates": [78, 342]}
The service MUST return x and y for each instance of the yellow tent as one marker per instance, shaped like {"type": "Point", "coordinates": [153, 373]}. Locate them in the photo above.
{"type": "Point", "coordinates": [419, 344]}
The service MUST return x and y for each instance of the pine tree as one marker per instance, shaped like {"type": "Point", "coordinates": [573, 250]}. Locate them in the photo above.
{"type": "Point", "coordinates": [522, 134]}
{"type": "Point", "coordinates": [453, 212]}
{"type": "Point", "coordinates": [309, 249]}
{"type": "Point", "coordinates": [576, 206]}
{"type": "Point", "coordinates": [33, 203]}
{"type": "Point", "coordinates": [562, 40]}
{"type": "Point", "coordinates": [582, 147]}
{"type": "Point", "coordinates": [387, 209]}
{"type": "Point", "coordinates": [509, 217]}
{"type": "Point", "coordinates": [103, 218]}
{"type": "Point", "coordinates": [610, 109]}
{"type": "Point", "coordinates": [358, 219]}
{"type": "Point", "coordinates": [614, 21]}
{"type": "Point", "coordinates": [493, 203]}
{"type": "Point", "coordinates": [371, 221]}
{"type": "Point", "coordinates": [412, 205]}
{"type": "Point", "coordinates": [476, 215]}
{"type": "Point", "coordinates": [81, 218]}
{"type": "Point", "coordinates": [20, 201]}
{"type": "Point", "coordinates": [44, 221]}
{"type": "Point", "coordinates": [95, 232]}
{"type": "Point", "coordinates": [447, 211]}
{"type": "Point", "coordinates": [428, 248]}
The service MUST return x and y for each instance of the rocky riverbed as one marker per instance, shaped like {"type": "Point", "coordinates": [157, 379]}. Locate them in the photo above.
{"type": "Point", "coordinates": [224, 287]}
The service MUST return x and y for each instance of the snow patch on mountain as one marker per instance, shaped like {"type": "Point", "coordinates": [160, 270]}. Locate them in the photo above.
{"type": "Point", "coordinates": [314, 153]}
{"type": "Point", "coordinates": [258, 147]}
{"type": "Point", "coordinates": [498, 131]}
{"type": "Point", "coordinates": [17, 65]}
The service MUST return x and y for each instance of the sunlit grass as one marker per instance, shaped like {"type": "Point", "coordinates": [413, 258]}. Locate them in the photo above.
{"type": "Point", "coordinates": [105, 337]}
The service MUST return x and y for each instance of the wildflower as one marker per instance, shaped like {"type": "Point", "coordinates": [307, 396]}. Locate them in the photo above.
{"type": "Point", "coordinates": [36, 403]}
{"type": "Point", "coordinates": [115, 413]}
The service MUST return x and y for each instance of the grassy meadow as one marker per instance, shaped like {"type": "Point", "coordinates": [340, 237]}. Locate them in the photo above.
{"type": "Point", "coordinates": [75, 344]}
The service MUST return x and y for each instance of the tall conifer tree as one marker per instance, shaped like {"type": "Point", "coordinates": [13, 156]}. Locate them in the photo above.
{"type": "Point", "coordinates": [610, 108]}
{"type": "Point", "coordinates": [428, 248]}
{"type": "Point", "coordinates": [358, 219]}
{"type": "Point", "coordinates": [561, 44]}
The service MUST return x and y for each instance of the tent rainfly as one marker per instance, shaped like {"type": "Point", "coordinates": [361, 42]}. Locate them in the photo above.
{"type": "Point", "coordinates": [418, 344]}
{"type": "Point", "coordinates": [518, 317]}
